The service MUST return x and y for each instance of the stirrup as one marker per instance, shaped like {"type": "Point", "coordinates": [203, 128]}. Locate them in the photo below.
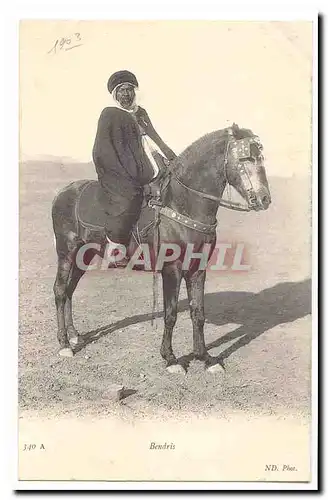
{"type": "Point", "coordinates": [125, 260]}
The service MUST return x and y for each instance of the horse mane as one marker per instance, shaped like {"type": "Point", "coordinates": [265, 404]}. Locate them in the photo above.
{"type": "Point", "coordinates": [212, 140]}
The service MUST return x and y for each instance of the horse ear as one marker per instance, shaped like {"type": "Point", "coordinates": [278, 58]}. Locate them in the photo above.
{"type": "Point", "coordinates": [235, 127]}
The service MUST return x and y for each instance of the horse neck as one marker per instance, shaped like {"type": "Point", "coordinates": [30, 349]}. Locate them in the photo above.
{"type": "Point", "coordinates": [204, 174]}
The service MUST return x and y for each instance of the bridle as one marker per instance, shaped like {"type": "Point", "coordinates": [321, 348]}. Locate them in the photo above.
{"type": "Point", "coordinates": [232, 205]}
{"type": "Point", "coordinates": [241, 149]}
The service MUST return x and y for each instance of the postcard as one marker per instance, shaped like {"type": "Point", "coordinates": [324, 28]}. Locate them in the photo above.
{"type": "Point", "coordinates": [165, 255]}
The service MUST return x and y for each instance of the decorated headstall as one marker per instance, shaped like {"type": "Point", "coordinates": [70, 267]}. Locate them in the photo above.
{"type": "Point", "coordinates": [242, 149]}
{"type": "Point", "coordinates": [247, 150]}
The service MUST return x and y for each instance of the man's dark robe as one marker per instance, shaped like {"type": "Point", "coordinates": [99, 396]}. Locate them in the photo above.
{"type": "Point", "coordinates": [123, 167]}
{"type": "Point", "coordinates": [121, 163]}
{"type": "Point", "coordinates": [120, 160]}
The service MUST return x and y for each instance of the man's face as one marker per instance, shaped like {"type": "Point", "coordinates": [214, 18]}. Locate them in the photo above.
{"type": "Point", "coordinates": [125, 95]}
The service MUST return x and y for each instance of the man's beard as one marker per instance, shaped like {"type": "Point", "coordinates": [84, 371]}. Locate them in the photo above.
{"type": "Point", "coordinates": [127, 102]}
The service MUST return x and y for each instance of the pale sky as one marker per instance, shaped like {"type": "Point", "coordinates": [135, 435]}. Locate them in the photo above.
{"type": "Point", "coordinates": [194, 76]}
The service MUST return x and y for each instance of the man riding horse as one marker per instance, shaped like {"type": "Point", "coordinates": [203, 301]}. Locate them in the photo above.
{"type": "Point", "coordinates": [128, 154]}
{"type": "Point", "coordinates": [188, 219]}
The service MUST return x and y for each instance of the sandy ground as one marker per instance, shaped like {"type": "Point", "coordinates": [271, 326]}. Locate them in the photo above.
{"type": "Point", "coordinates": [258, 320]}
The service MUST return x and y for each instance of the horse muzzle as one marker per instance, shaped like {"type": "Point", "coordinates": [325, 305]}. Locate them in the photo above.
{"type": "Point", "coordinates": [258, 201]}
{"type": "Point", "coordinates": [265, 201]}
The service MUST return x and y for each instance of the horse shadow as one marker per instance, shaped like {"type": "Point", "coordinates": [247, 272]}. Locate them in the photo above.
{"type": "Point", "coordinates": [254, 312]}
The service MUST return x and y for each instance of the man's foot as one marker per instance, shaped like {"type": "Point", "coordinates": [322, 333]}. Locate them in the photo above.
{"type": "Point", "coordinates": [122, 261]}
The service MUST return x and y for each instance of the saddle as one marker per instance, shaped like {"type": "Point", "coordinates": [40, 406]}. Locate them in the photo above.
{"type": "Point", "coordinates": [92, 218]}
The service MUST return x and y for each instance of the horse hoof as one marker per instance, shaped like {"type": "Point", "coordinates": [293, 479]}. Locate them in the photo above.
{"type": "Point", "coordinates": [74, 341]}
{"type": "Point", "coordinates": [66, 352]}
{"type": "Point", "coordinates": [176, 369]}
{"type": "Point", "coordinates": [216, 369]}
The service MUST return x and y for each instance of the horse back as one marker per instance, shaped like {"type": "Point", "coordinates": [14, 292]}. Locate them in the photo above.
{"type": "Point", "coordinates": [64, 207]}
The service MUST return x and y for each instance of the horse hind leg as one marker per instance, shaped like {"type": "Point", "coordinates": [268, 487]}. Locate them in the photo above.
{"type": "Point", "coordinates": [60, 291]}
{"type": "Point", "coordinates": [66, 245]}
{"type": "Point", "coordinates": [73, 280]}
{"type": "Point", "coordinates": [72, 334]}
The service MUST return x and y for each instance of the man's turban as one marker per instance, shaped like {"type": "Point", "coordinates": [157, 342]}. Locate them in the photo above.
{"type": "Point", "coordinates": [119, 77]}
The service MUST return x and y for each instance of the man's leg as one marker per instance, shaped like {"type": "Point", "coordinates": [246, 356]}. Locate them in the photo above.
{"type": "Point", "coordinates": [118, 229]}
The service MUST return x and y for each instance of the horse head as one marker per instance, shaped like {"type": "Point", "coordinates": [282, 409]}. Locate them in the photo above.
{"type": "Point", "coordinates": [231, 156]}
{"type": "Point", "coordinates": [244, 167]}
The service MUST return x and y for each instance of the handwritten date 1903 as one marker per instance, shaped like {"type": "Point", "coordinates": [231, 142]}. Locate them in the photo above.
{"type": "Point", "coordinates": [66, 43]}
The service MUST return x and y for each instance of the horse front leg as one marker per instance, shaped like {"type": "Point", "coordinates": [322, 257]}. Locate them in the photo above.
{"type": "Point", "coordinates": [171, 276]}
{"type": "Point", "coordinates": [195, 284]}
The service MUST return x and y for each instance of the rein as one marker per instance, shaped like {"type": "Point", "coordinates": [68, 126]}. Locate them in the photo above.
{"type": "Point", "coordinates": [232, 205]}
{"type": "Point", "coordinates": [229, 204]}
{"type": "Point", "coordinates": [200, 193]}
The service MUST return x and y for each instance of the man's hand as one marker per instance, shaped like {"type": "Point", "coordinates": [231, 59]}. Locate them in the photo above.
{"type": "Point", "coordinates": [170, 155]}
